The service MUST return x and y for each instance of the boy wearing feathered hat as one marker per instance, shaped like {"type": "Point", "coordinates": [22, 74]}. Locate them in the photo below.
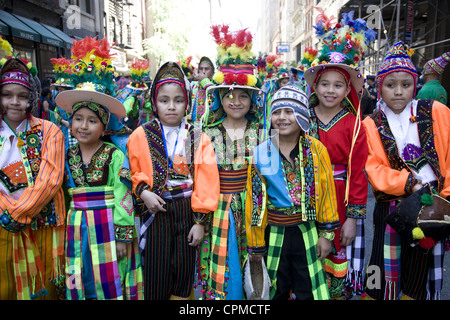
{"type": "Point", "coordinates": [409, 144]}
{"type": "Point", "coordinates": [335, 112]}
{"type": "Point", "coordinates": [291, 202]}
{"type": "Point", "coordinates": [176, 185]}
{"type": "Point", "coordinates": [432, 88]}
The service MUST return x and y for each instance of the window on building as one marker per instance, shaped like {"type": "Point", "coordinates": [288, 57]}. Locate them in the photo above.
{"type": "Point", "coordinates": [85, 5]}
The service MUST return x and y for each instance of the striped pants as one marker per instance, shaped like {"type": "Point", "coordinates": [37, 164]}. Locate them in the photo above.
{"type": "Point", "coordinates": [169, 261]}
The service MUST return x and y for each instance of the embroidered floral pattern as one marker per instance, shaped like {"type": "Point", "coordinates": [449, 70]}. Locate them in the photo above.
{"type": "Point", "coordinates": [94, 174]}
{"type": "Point", "coordinates": [127, 202]}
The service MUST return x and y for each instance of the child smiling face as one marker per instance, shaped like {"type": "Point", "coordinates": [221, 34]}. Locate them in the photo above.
{"type": "Point", "coordinates": [331, 88]}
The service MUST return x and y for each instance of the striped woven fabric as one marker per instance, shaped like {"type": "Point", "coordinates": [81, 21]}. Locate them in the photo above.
{"type": "Point", "coordinates": [282, 219]}
{"type": "Point", "coordinates": [93, 206]}
{"type": "Point", "coordinates": [232, 181]}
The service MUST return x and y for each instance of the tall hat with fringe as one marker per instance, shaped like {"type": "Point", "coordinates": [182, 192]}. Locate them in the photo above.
{"type": "Point", "coordinates": [398, 58]}
{"type": "Point", "coordinates": [343, 47]}
{"type": "Point", "coordinates": [63, 69]}
{"type": "Point", "coordinates": [93, 77]}
{"type": "Point", "coordinates": [436, 66]}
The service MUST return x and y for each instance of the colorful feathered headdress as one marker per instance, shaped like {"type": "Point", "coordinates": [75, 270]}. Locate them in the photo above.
{"type": "Point", "coordinates": [6, 47]}
{"type": "Point", "coordinates": [309, 56]}
{"type": "Point", "coordinates": [234, 57]}
{"type": "Point", "coordinates": [63, 68]}
{"type": "Point", "coordinates": [187, 66]}
{"type": "Point", "coordinates": [93, 63]}
{"type": "Point", "coordinates": [139, 70]}
{"type": "Point", "coordinates": [343, 45]}
{"type": "Point", "coordinates": [93, 77]}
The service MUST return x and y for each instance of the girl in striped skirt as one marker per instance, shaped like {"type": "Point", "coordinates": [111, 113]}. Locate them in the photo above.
{"type": "Point", "coordinates": [102, 253]}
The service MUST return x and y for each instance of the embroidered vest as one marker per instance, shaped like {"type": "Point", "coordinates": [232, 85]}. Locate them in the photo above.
{"type": "Point", "coordinates": [160, 164]}
{"type": "Point", "coordinates": [426, 138]}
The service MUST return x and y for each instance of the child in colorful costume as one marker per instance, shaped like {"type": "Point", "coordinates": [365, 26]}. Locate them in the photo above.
{"type": "Point", "coordinates": [134, 95]}
{"type": "Point", "coordinates": [409, 144]}
{"type": "Point", "coordinates": [63, 68]}
{"type": "Point", "coordinates": [102, 252]}
{"type": "Point", "coordinates": [335, 81]}
{"type": "Point", "coordinates": [32, 210]}
{"type": "Point", "coordinates": [432, 70]}
{"type": "Point", "coordinates": [199, 87]}
{"type": "Point", "coordinates": [232, 123]}
{"type": "Point", "coordinates": [291, 202]}
{"type": "Point", "coordinates": [176, 185]}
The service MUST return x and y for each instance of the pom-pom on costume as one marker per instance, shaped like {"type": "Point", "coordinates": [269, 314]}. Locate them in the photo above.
{"type": "Point", "coordinates": [405, 149]}
{"type": "Point", "coordinates": [101, 211]}
{"type": "Point", "coordinates": [343, 46]}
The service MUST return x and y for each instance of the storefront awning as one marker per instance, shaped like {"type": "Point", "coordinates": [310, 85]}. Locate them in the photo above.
{"type": "Point", "coordinates": [64, 37]}
{"type": "Point", "coordinates": [18, 28]}
{"type": "Point", "coordinates": [47, 37]}
{"type": "Point", "coordinates": [4, 29]}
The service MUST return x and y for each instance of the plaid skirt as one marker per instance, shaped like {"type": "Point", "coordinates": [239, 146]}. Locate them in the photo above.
{"type": "Point", "coordinates": [92, 267]}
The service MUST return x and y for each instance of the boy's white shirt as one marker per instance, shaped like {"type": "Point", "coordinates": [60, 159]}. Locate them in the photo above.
{"type": "Point", "coordinates": [171, 134]}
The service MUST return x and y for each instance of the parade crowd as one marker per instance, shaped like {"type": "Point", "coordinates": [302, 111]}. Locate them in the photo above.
{"type": "Point", "coordinates": [243, 178]}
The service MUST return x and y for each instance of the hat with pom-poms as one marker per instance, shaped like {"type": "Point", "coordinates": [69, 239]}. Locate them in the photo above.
{"type": "Point", "coordinates": [343, 45]}
{"type": "Point", "coordinates": [235, 60]}
{"type": "Point", "coordinates": [397, 59]}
